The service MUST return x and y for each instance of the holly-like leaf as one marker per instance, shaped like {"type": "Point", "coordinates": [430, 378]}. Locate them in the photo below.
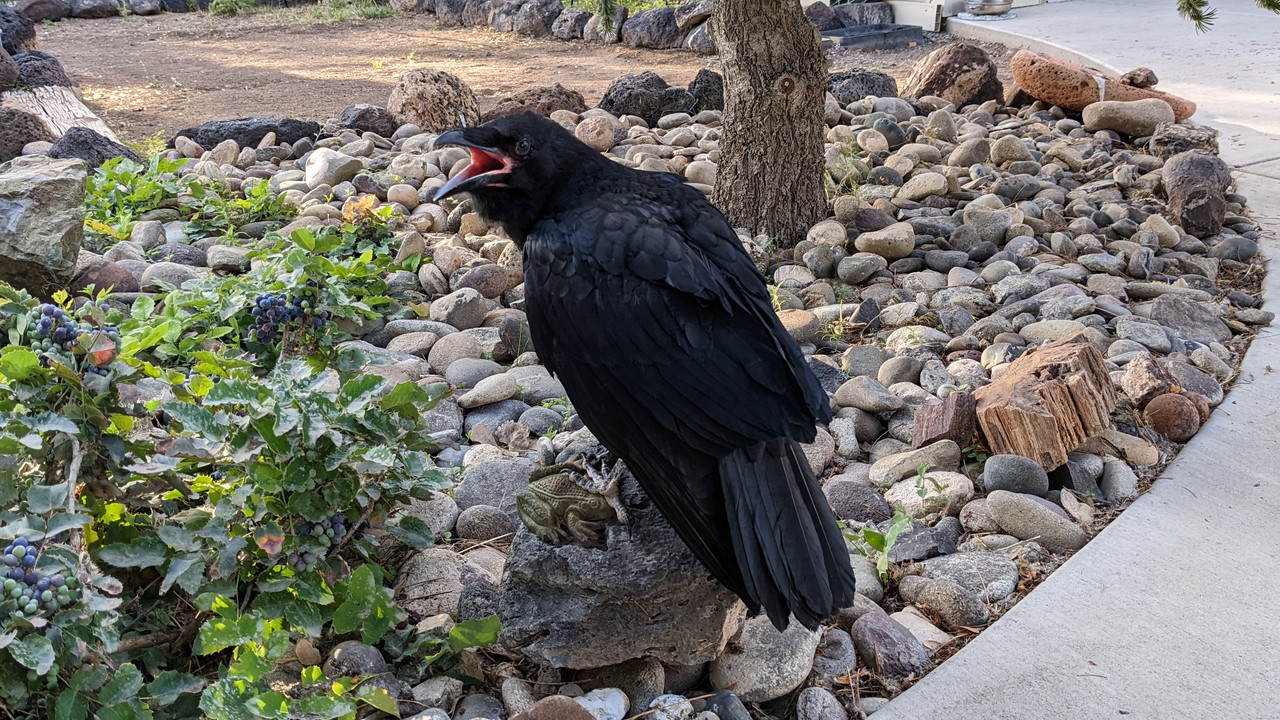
{"type": "Point", "coordinates": [412, 531]}
{"type": "Point", "coordinates": [169, 684]}
{"type": "Point", "coordinates": [34, 652]}
{"type": "Point", "coordinates": [178, 538]}
{"type": "Point", "coordinates": [71, 705]}
{"type": "Point", "coordinates": [44, 498]}
{"type": "Point", "coordinates": [124, 685]}
{"type": "Point", "coordinates": [18, 363]}
{"type": "Point", "coordinates": [62, 522]}
{"type": "Point", "coordinates": [477, 633]}
{"type": "Point", "coordinates": [141, 553]}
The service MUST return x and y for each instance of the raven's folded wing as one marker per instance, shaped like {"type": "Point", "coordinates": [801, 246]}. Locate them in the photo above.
{"type": "Point", "coordinates": [660, 327]}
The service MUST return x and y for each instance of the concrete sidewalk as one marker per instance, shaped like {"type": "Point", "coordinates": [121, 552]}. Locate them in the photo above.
{"type": "Point", "coordinates": [1171, 611]}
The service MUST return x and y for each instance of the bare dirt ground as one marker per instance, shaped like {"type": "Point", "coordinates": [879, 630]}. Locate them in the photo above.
{"type": "Point", "coordinates": [148, 75]}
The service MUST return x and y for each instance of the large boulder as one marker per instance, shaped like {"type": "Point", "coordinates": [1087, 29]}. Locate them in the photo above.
{"type": "Point", "coordinates": [597, 31]}
{"type": "Point", "coordinates": [570, 24]}
{"type": "Point", "coordinates": [700, 41]}
{"type": "Point", "coordinates": [40, 69]}
{"type": "Point", "coordinates": [691, 13]}
{"type": "Point", "coordinates": [94, 9]}
{"type": "Point", "coordinates": [94, 149]}
{"type": "Point", "coordinates": [143, 7]}
{"type": "Point", "coordinates": [413, 6]}
{"type": "Point", "coordinates": [502, 17]}
{"type": "Point", "coordinates": [17, 32]}
{"type": "Point", "coordinates": [645, 95]}
{"type": "Point", "coordinates": [542, 100]}
{"type": "Point", "coordinates": [475, 13]}
{"type": "Point", "coordinates": [823, 17]}
{"type": "Point", "coordinates": [655, 28]}
{"type": "Point", "coordinates": [41, 222]}
{"type": "Point", "coordinates": [852, 85]}
{"type": "Point", "coordinates": [367, 117]}
{"type": "Point", "coordinates": [1195, 183]}
{"type": "Point", "coordinates": [93, 270]}
{"type": "Point", "coordinates": [962, 74]}
{"type": "Point", "coordinates": [41, 10]}
{"type": "Point", "coordinates": [17, 128]}
{"type": "Point", "coordinates": [433, 100]}
{"type": "Point", "coordinates": [1075, 87]}
{"type": "Point", "coordinates": [248, 132]}
{"type": "Point", "coordinates": [535, 18]}
{"type": "Point", "coordinates": [9, 77]}
{"type": "Point", "coordinates": [867, 13]}
{"type": "Point", "coordinates": [643, 595]}
{"type": "Point", "coordinates": [449, 12]}
{"type": "Point", "coordinates": [182, 6]}
{"type": "Point", "coordinates": [707, 89]}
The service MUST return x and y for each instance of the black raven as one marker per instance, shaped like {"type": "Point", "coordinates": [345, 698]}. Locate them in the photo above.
{"type": "Point", "coordinates": [642, 300]}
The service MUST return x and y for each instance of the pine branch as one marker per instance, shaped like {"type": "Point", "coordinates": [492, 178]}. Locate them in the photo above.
{"type": "Point", "coordinates": [1272, 5]}
{"type": "Point", "coordinates": [1199, 12]}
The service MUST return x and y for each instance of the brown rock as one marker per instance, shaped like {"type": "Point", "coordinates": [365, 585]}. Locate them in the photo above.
{"type": "Point", "coordinates": [541, 100]}
{"type": "Point", "coordinates": [17, 128]}
{"type": "Point", "coordinates": [433, 100]}
{"type": "Point", "coordinates": [556, 707]}
{"type": "Point", "coordinates": [1144, 378]}
{"type": "Point", "coordinates": [1142, 77]}
{"type": "Point", "coordinates": [960, 73]}
{"type": "Point", "coordinates": [1202, 404]}
{"type": "Point", "coordinates": [801, 324]}
{"type": "Point", "coordinates": [101, 273]}
{"type": "Point", "coordinates": [823, 17]}
{"type": "Point", "coordinates": [1173, 416]}
{"type": "Point", "coordinates": [953, 419]}
{"type": "Point", "coordinates": [9, 75]}
{"type": "Point", "coordinates": [1074, 86]}
{"type": "Point", "coordinates": [1195, 183]}
{"type": "Point", "coordinates": [41, 10]}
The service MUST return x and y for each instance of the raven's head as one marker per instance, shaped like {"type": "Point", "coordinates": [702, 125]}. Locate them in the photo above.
{"type": "Point", "coordinates": [518, 165]}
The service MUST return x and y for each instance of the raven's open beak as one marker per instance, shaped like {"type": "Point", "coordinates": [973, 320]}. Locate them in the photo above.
{"type": "Point", "coordinates": [489, 166]}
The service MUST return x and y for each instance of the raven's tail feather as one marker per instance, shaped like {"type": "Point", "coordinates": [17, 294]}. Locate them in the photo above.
{"type": "Point", "coordinates": [790, 552]}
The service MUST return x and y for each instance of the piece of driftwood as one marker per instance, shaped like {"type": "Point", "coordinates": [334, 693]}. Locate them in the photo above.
{"type": "Point", "coordinates": [1048, 402]}
{"type": "Point", "coordinates": [955, 418]}
{"type": "Point", "coordinates": [58, 107]}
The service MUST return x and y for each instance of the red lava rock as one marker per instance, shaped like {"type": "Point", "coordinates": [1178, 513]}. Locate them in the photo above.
{"type": "Point", "coordinates": [1174, 417]}
{"type": "Point", "coordinates": [1074, 86]}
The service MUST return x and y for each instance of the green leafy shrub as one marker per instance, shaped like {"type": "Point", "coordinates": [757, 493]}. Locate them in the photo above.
{"type": "Point", "coordinates": [190, 480]}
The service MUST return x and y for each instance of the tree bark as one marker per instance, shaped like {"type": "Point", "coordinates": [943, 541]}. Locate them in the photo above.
{"type": "Point", "coordinates": [771, 148]}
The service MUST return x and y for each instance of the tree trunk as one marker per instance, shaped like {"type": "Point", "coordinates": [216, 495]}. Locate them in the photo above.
{"type": "Point", "coordinates": [771, 148]}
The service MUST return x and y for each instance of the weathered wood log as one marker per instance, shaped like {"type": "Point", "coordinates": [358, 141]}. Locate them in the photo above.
{"type": "Point", "coordinates": [1048, 402]}
{"type": "Point", "coordinates": [1195, 183]}
{"type": "Point", "coordinates": [955, 419]}
{"type": "Point", "coordinates": [58, 107]}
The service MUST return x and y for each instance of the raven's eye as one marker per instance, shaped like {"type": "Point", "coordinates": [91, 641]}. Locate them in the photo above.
{"type": "Point", "coordinates": [523, 148]}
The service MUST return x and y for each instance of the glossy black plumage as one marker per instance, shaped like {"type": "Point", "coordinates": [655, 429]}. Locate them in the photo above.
{"type": "Point", "coordinates": [643, 302]}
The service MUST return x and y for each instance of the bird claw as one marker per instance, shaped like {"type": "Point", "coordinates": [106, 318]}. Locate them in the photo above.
{"type": "Point", "coordinates": [605, 483]}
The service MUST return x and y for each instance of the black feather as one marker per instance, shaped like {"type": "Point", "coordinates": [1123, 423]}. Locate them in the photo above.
{"type": "Point", "coordinates": [641, 299]}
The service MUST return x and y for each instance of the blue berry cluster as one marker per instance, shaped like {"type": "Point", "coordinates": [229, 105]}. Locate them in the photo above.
{"type": "Point", "coordinates": [326, 533]}
{"type": "Point", "coordinates": [32, 591]}
{"type": "Point", "coordinates": [272, 312]}
{"type": "Point", "coordinates": [55, 330]}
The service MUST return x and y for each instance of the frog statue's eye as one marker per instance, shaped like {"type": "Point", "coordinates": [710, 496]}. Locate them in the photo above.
{"type": "Point", "coordinates": [523, 148]}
